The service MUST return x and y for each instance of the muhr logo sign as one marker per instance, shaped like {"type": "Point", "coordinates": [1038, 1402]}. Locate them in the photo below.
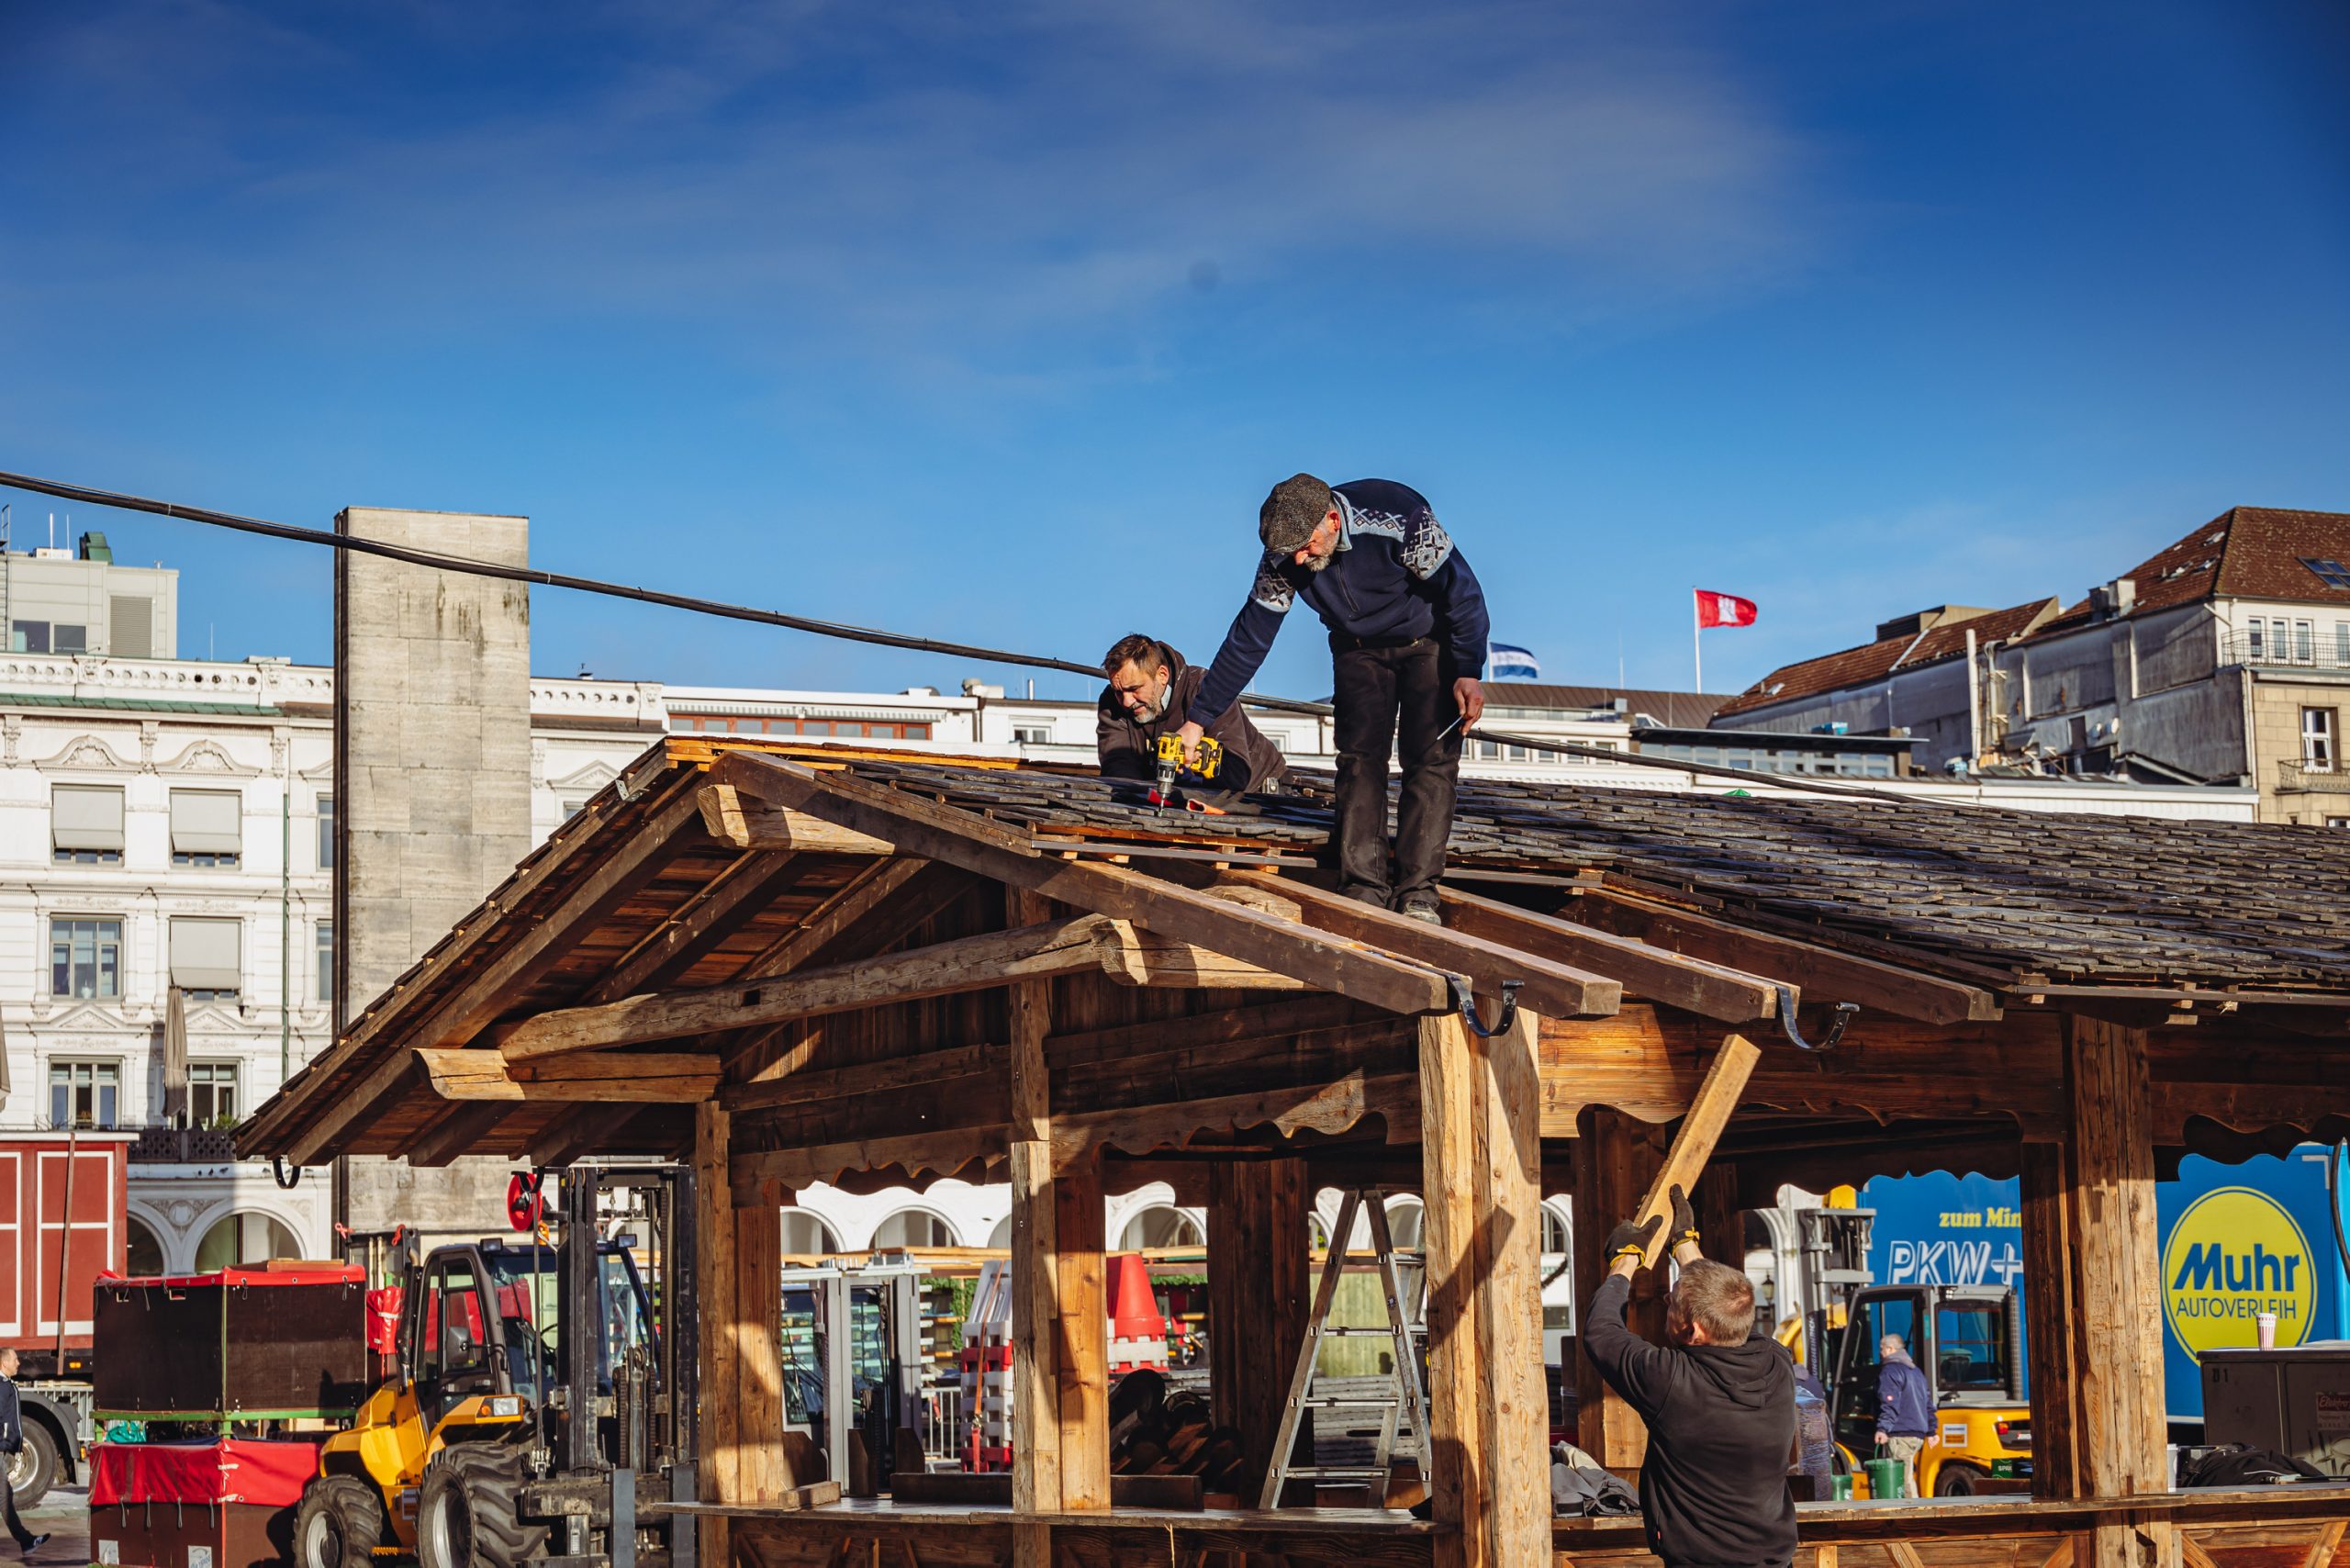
{"type": "Point", "coordinates": [2232, 1255]}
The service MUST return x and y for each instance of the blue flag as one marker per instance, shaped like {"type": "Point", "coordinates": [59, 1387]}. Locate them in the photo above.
{"type": "Point", "coordinates": [1509, 663]}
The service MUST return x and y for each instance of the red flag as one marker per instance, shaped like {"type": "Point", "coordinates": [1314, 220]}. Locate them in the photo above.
{"type": "Point", "coordinates": [1723, 609]}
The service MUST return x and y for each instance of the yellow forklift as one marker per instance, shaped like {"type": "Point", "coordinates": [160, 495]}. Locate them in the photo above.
{"type": "Point", "coordinates": [540, 1405]}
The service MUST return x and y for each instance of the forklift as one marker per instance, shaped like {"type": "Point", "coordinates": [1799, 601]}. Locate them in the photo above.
{"type": "Point", "coordinates": [540, 1394]}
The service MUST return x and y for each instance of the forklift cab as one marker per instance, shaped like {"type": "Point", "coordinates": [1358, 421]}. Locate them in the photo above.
{"type": "Point", "coordinates": [1967, 1339]}
{"type": "Point", "coordinates": [489, 1320]}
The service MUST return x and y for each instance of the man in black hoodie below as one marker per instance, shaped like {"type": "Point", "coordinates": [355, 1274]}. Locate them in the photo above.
{"type": "Point", "coordinates": [1718, 1401]}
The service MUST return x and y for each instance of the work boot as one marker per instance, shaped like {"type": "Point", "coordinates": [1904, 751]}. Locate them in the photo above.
{"type": "Point", "coordinates": [36, 1543]}
{"type": "Point", "coordinates": [1421, 906]}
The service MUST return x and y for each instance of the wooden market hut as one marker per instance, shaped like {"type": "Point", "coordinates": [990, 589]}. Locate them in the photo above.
{"type": "Point", "coordinates": [793, 965]}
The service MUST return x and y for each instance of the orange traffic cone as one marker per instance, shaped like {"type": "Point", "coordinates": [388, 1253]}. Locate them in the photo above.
{"type": "Point", "coordinates": [1138, 1332]}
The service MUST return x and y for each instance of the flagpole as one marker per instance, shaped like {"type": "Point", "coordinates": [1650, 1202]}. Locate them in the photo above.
{"type": "Point", "coordinates": [1696, 640]}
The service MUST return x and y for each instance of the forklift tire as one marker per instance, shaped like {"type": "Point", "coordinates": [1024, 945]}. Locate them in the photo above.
{"type": "Point", "coordinates": [339, 1523]}
{"type": "Point", "coordinates": [1957, 1478]}
{"type": "Point", "coordinates": [467, 1517]}
{"type": "Point", "coordinates": [33, 1469]}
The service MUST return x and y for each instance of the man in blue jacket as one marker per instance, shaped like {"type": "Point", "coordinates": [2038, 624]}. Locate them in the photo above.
{"type": "Point", "coordinates": [12, 1442]}
{"type": "Point", "coordinates": [1407, 642]}
{"type": "Point", "coordinates": [1904, 1408]}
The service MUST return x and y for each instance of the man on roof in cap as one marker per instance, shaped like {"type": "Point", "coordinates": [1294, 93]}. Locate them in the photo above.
{"type": "Point", "coordinates": [1149, 695]}
{"type": "Point", "coordinates": [1407, 642]}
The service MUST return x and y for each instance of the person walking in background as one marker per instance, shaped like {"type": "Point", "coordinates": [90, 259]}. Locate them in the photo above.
{"type": "Point", "coordinates": [1905, 1410]}
{"type": "Point", "coordinates": [12, 1442]}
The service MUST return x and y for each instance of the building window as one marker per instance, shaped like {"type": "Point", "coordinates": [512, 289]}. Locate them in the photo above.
{"type": "Point", "coordinates": [572, 807]}
{"type": "Point", "coordinates": [85, 958]}
{"type": "Point", "coordinates": [912, 1227]}
{"type": "Point", "coordinates": [1031, 734]}
{"type": "Point", "coordinates": [2256, 640]}
{"type": "Point", "coordinates": [1489, 751]}
{"type": "Point", "coordinates": [324, 946]}
{"type": "Point", "coordinates": [805, 1236]}
{"type": "Point", "coordinates": [2304, 642]}
{"type": "Point", "coordinates": [83, 1094]}
{"type": "Point", "coordinates": [64, 639]}
{"type": "Point", "coordinates": [207, 956]}
{"type": "Point", "coordinates": [326, 832]}
{"type": "Point", "coordinates": [85, 825]}
{"type": "Point", "coordinates": [2337, 822]}
{"type": "Point", "coordinates": [212, 1093]}
{"type": "Point", "coordinates": [829, 729]}
{"type": "Point", "coordinates": [2317, 739]}
{"type": "Point", "coordinates": [2330, 572]}
{"type": "Point", "coordinates": [208, 827]}
{"type": "Point", "coordinates": [2342, 643]}
{"type": "Point", "coordinates": [28, 636]}
{"type": "Point", "coordinates": [242, 1240]}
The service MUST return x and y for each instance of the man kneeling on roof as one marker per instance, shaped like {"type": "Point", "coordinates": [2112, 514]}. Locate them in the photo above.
{"type": "Point", "coordinates": [1149, 695]}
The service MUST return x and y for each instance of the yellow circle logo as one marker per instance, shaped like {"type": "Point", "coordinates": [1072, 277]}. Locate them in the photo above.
{"type": "Point", "coordinates": [2234, 1254]}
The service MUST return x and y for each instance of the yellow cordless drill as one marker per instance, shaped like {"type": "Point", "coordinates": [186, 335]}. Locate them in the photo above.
{"type": "Point", "coordinates": [1170, 765]}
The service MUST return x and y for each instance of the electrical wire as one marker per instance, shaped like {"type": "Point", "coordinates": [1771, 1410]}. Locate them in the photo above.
{"type": "Point", "coordinates": [843, 631]}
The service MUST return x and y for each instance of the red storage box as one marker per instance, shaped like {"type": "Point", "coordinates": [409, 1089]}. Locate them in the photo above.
{"type": "Point", "coordinates": [229, 1503]}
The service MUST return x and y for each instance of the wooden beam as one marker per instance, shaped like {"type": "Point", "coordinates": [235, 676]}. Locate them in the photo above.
{"type": "Point", "coordinates": [393, 1073]}
{"type": "Point", "coordinates": [578, 1132]}
{"type": "Point", "coordinates": [847, 910]}
{"type": "Point", "coordinates": [754, 1174]}
{"type": "Point", "coordinates": [1693, 1145]}
{"type": "Point", "coordinates": [1546, 985]}
{"type": "Point", "coordinates": [1082, 1320]}
{"type": "Point", "coordinates": [458, 1133]}
{"type": "Point", "coordinates": [1035, 1260]}
{"type": "Point", "coordinates": [1824, 973]}
{"type": "Point", "coordinates": [964, 839]}
{"type": "Point", "coordinates": [739, 895]}
{"type": "Point", "coordinates": [944, 969]}
{"type": "Point", "coordinates": [638, 1080]}
{"type": "Point", "coordinates": [1656, 974]}
{"type": "Point", "coordinates": [1233, 1026]}
{"type": "Point", "coordinates": [1258, 1264]}
{"type": "Point", "coordinates": [1146, 959]}
{"type": "Point", "coordinates": [2049, 1317]}
{"type": "Point", "coordinates": [847, 1082]}
{"type": "Point", "coordinates": [719, 1473]}
{"type": "Point", "coordinates": [755, 825]}
{"type": "Point", "coordinates": [1615, 1161]}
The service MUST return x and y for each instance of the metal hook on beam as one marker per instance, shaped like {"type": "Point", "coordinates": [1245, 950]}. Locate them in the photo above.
{"type": "Point", "coordinates": [1467, 1002]}
{"type": "Point", "coordinates": [277, 1174]}
{"type": "Point", "coordinates": [1841, 1015]}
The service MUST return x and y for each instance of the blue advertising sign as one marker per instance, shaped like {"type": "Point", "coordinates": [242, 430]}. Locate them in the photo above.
{"type": "Point", "coordinates": [2236, 1241]}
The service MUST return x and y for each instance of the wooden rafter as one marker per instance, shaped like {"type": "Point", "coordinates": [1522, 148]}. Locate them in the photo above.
{"type": "Point", "coordinates": [942, 833]}
{"type": "Point", "coordinates": [1695, 985]}
{"type": "Point", "coordinates": [735, 897]}
{"type": "Point", "coordinates": [749, 824]}
{"type": "Point", "coordinates": [606, 1077]}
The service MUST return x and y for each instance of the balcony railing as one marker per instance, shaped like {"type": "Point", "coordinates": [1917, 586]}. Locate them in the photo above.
{"type": "Point", "coordinates": [2322, 650]}
{"type": "Point", "coordinates": [184, 1146]}
{"type": "Point", "coordinates": [2303, 778]}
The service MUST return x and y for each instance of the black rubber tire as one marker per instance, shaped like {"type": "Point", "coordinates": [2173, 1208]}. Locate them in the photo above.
{"type": "Point", "coordinates": [1957, 1478]}
{"type": "Point", "coordinates": [339, 1524]}
{"type": "Point", "coordinates": [33, 1470]}
{"type": "Point", "coordinates": [466, 1513]}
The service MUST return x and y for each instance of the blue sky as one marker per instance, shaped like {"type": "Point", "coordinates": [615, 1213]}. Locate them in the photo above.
{"type": "Point", "coordinates": [996, 322]}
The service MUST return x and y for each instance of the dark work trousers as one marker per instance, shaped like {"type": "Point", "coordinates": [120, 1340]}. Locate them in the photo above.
{"type": "Point", "coordinates": [1383, 685]}
{"type": "Point", "coordinates": [9, 1502]}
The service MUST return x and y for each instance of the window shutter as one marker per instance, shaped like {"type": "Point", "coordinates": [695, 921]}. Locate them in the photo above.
{"type": "Point", "coordinates": [205, 954]}
{"type": "Point", "coordinates": [207, 822]}
{"type": "Point", "coordinates": [85, 816]}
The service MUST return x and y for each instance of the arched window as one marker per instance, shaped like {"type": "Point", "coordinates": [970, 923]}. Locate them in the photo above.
{"type": "Point", "coordinates": [913, 1227]}
{"type": "Point", "coordinates": [146, 1248]}
{"type": "Point", "coordinates": [1555, 1238]}
{"type": "Point", "coordinates": [1160, 1225]}
{"type": "Point", "coordinates": [1406, 1224]}
{"type": "Point", "coordinates": [1000, 1237]}
{"type": "Point", "coordinates": [805, 1236]}
{"type": "Point", "coordinates": [239, 1240]}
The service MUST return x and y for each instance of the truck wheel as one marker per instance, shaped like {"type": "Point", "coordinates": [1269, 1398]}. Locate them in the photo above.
{"type": "Point", "coordinates": [1957, 1478]}
{"type": "Point", "coordinates": [32, 1469]}
{"type": "Point", "coordinates": [341, 1520]}
{"type": "Point", "coordinates": [467, 1517]}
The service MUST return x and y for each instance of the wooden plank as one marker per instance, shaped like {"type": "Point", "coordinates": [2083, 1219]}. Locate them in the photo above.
{"type": "Point", "coordinates": [847, 910]}
{"type": "Point", "coordinates": [940, 1153]}
{"type": "Point", "coordinates": [1257, 1267]}
{"type": "Point", "coordinates": [1447, 1235]}
{"type": "Point", "coordinates": [1036, 1261]}
{"type": "Point", "coordinates": [392, 1073]}
{"type": "Point", "coordinates": [1824, 974]}
{"type": "Point", "coordinates": [1545, 984]}
{"type": "Point", "coordinates": [1656, 974]}
{"type": "Point", "coordinates": [1616, 1160]}
{"type": "Point", "coordinates": [1235, 1027]}
{"type": "Point", "coordinates": [2116, 1285]}
{"type": "Point", "coordinates": [1506, 1293]}
{"type": "Point", "coordinates": [718, 1475]}
{"type": "Point", "coordinates": [737, 896]}
{"type": "Point", "coordinates": [2048, 1319]}
{"type": "Point", "coordinates": [755, 825]}
{"type": "Point", "coordinates": [1329, 1108]}
{"type": "Point", "coordinates": [643, 1080]}
{"type": "Point", "coordinates": [1146, 959]}
{"type": "Point", "coordinates": [458, 1133]}
{"type": "Point", "coordinates": [763, 1469]}
{"type": "Point", "coordinates": [2322, 1550]}
{"type": "Point", "coordinates": [963, 839]}
{"type": "Point", "coordinates": [1693, 1145]}
{"type": "Point", "coordinates": [1081, 1307]}
{"type": "Point", "coordinates": [871, 1077]}
{"type": "Point", "coordinates": [944, 969]}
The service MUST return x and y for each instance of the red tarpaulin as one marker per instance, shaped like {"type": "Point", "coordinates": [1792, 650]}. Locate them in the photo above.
{"type": "Point", "coordinates": [235, 1470]}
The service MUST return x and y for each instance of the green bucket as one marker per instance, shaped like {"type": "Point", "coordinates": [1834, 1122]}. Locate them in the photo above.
{"type": "Point", "coordinates": [1839, 1488]}
{"type": "Point", "coordinates": [1885, 1477]}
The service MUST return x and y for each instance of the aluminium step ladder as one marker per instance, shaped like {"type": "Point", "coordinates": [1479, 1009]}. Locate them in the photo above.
{"type": "Point", "coordinates": [1402, 1403]}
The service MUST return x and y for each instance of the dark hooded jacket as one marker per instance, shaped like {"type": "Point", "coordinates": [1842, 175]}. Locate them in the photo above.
{"type": "Point", "coordinates": [1721, 1422]}
{"type": "Point", "coordinates": [1129, 746]}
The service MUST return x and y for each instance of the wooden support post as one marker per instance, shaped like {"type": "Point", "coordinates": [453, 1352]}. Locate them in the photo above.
{"type": "Point", "coordinates": [1616, 1157]}
{"type": "Point", "coordinates": [1481, 1150]}
{"type": "Point", "coordinates": [763, 1472]}
{"type": "Point", "coordinates": [714, 1240]}
{"type": "Point", "coordinates": [1082, 1325]}
{"type": "Point", "coordinates": [1721, 1223]}
{"type": "Point", "coordinates": [2097, 1337]}
{"type": "Point", "coordinates": [1258, 1299]}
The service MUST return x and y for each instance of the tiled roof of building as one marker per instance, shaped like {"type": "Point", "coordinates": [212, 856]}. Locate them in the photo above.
{"type": "Point", "coordinates": [2244, 552]}
{"type": "Point", "coordinates": [1674, 710]}
{"type": "Point", "coordinates": [1875, 661]}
